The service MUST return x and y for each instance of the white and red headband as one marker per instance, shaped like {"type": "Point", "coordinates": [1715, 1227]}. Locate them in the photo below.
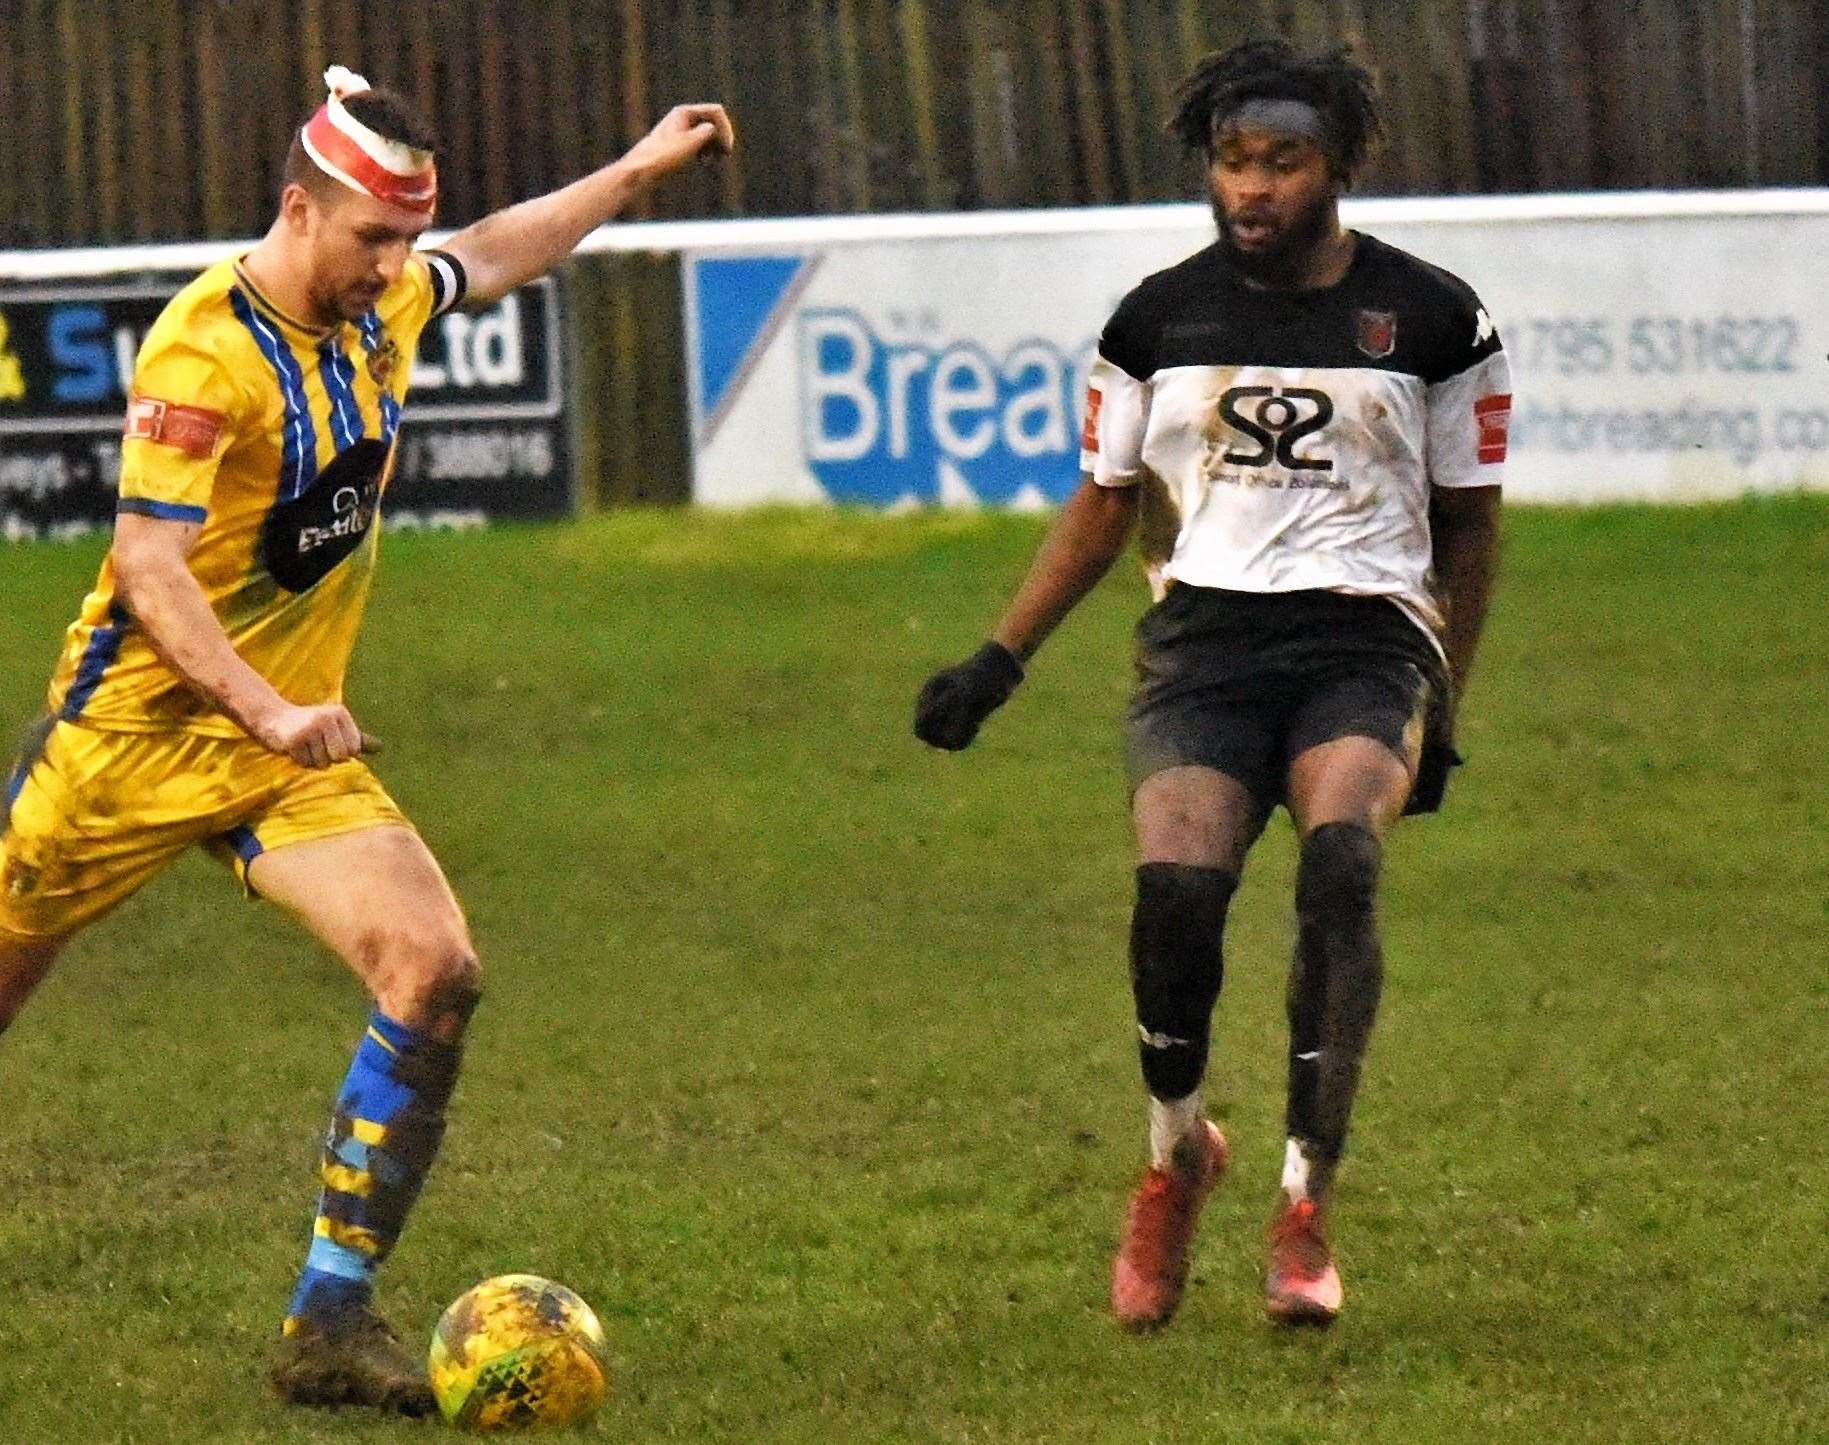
{"type": "Point", "coordinates": [363, 159]}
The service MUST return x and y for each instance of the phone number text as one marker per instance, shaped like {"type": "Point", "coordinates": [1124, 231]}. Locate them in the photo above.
{"type": "Point", "coordinates": [1656, 345]}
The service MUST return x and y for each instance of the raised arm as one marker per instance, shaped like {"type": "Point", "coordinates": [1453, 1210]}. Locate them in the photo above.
{"type": "Point", "coordinates": [522, 242]}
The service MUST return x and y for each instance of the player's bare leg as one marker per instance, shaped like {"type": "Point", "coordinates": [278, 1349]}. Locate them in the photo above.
{"type": "Point", "coordinates": [1194, 827]}
{"type": "Point", "coordinates": [1344, 796]}
{"type": "Point", "coordinates": [24, 964]}
{"type": "Point", "coordinates": [378, 898]}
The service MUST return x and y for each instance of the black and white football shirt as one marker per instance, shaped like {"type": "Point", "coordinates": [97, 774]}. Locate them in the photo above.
{"type": "Point", "coordinates": [1296, 435]}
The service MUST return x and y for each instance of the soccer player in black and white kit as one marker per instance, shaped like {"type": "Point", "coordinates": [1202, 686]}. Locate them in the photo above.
{"type": "Point", "coordinates": [1311, 426]}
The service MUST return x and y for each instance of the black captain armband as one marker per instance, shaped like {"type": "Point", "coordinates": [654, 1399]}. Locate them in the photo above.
{"type": "Point", "coordinates": [449, 283]}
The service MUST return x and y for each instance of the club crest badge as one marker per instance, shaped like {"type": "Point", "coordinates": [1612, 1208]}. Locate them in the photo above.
{"type": "Point", "coordinates": [1377, 333]}
{"type": "Point", "coordinates": [382, 361]}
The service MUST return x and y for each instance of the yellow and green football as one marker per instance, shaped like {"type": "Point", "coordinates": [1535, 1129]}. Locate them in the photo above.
{"type": "Point", "coordinates": [518, 1352]}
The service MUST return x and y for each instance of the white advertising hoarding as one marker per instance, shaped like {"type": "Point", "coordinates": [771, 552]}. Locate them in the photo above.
{"type": "Point", "coordinates": [1663, 347]}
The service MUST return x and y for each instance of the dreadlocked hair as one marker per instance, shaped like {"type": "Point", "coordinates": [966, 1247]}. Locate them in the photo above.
{"type": "Point", "coordinates": [1333, 83]}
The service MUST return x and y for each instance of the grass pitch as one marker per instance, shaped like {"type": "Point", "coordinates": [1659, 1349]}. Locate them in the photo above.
{"type": "Point", "coordinates": [807, 1054]}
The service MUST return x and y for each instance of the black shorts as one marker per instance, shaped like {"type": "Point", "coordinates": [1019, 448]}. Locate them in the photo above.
{"type": "Point", "coordinates": [1242, 682]}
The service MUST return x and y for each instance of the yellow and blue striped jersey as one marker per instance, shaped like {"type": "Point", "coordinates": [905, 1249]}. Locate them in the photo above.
{"type": "Point", "coordinates": [278, 438]}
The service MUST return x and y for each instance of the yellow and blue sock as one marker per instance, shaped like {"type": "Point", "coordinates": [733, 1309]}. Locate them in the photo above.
{"type": "Point", "coordinates": [389, 1120]}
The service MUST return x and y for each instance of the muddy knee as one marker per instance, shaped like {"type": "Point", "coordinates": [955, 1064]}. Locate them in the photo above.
{"type": "Point", "coordinates": [429, 982]}
{"type": "Point", "coordinates": [1337, 877]}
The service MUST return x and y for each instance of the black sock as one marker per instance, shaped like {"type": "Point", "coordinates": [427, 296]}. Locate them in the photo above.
{"type": "Point", "coordinates": [1176, 969]}
{"type": "Point", "coordinates": [1334, 985]}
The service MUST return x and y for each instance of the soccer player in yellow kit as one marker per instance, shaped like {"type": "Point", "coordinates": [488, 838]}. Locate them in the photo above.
{"type": "Point", "coordinates": [199, 697]}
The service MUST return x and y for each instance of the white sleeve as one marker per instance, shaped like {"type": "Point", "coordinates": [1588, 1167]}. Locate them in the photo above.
{"type": "Point", "coordinates": [1117, 414]}
{"type": "Point", "coordinates": [1469, 413]}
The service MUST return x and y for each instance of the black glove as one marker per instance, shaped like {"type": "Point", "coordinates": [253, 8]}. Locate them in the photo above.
{"type": "Point", "coordinates": [957, 700]}
{"type": "Point", "coordinates": [1438, 755]}
{"type": "Point", "coordinates": [1432, 770]}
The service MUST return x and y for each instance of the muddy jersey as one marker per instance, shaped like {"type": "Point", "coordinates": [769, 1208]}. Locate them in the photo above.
{"type": "Point", "coordinates": [1289, 440]}
{"type": "Point", "coordinates": [277, 439]}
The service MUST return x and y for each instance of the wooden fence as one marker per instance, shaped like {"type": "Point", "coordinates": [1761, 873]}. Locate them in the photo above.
{"type": "Point", "coordinates": [141, 120]}
{"type": "Point", "coordinates": [128, 120]}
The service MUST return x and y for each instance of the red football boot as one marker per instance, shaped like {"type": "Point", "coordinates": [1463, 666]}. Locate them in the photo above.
{"type": "Point", "coordinates": [1152, 1264]}
{"type": "Point", "coordinates": [1303, 1287]}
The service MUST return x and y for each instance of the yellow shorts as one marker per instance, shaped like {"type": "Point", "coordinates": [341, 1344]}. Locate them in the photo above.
{"type": "Point", "coordinates": [94, 815]}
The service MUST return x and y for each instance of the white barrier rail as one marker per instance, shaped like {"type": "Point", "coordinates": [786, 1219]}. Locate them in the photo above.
{"type": "Point", "coordinates": [1662, 347]}
{"type": "Point", "coordinates": [803, 231]}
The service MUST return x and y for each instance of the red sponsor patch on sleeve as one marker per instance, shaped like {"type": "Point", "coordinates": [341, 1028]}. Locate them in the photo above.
{"type": "Point", "coordinates": [1089, 435]}
{"type": "Point", "coordinates": [193, 430]}
{"type": "Point", "coordinates": [1492, 415]}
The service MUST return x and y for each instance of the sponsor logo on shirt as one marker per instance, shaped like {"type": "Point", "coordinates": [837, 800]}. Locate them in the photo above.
{"type": "Point", "coordinates": [1252, 439]}
{"type": "Point", "coordinates": [352, 514]}
{"type": "Point", "coordinates": [193, 430]}
{"type": "Point", "coordinates": [1492, 415]}
{"type": "Point", "coordinates": [306, 536]}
